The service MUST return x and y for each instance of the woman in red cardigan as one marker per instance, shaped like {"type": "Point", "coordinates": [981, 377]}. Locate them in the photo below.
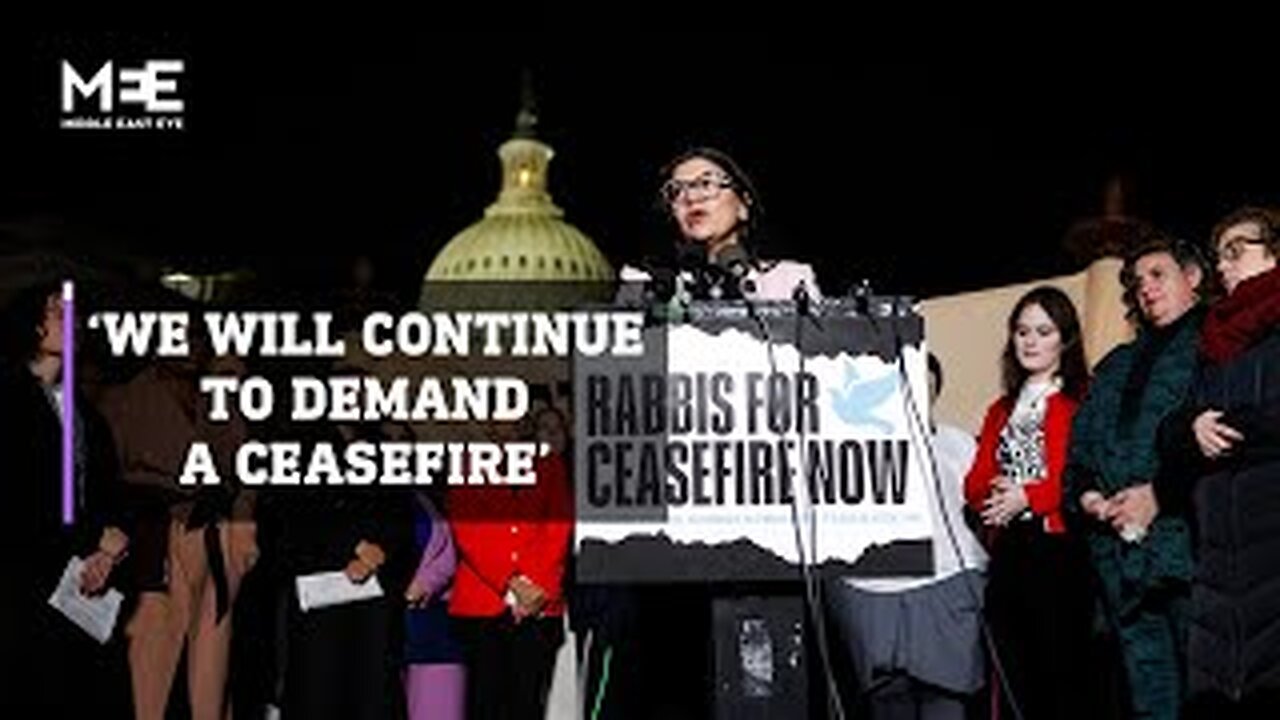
{"type": "Point", "coordinates": [1038, 592]}
{"type": "Point", "coordinates": [508, 596]}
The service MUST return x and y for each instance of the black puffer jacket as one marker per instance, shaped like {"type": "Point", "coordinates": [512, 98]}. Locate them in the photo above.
{"type": "Point", "coordinates": [1234, 640]}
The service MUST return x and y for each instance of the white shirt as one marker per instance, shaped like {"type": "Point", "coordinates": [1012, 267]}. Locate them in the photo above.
{"type": "Point", "coordinates": [953, 450]}
{"type": "Point", "coordinates": [54, 393]}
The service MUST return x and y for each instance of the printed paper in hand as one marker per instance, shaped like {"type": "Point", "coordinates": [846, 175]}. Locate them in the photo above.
{"type": "Point", "coordinates": [95, 614]}
{"type": "Point", "coordinates": [334, 588]}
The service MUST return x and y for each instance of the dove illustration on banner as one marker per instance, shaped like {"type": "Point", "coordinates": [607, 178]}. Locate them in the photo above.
{"type": "Point", "coordinates": [856, 400]}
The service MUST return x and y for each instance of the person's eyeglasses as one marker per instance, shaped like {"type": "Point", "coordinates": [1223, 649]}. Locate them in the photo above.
{"type": "Point", "coordinates": [706, 186]}
{"type": "Point", "coordinates": [1232, 249]}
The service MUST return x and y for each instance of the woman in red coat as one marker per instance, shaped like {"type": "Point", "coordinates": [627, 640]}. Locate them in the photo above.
{"type": "Point", "coordinates": [508, 596]}
{"type": "Point", "coordinates": [1038, 591]}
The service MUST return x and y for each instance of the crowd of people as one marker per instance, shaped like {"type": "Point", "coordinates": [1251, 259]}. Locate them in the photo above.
{"type": "Point", "coordinates": [1119, 521]}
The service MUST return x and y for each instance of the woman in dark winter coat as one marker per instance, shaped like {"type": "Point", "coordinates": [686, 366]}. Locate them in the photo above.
{"type": "Point", "coordinates": [1142, 558]}
{"type": "Point", "coordinates": [57, 670]}
{"type": "Point", "coordinates": [1223, 453]}
{"type": "Point", "coordinates": [343, 661]}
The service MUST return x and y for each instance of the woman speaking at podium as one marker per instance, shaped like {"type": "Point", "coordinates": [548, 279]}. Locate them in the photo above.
{"type": "Point", "coordinates": [661, 633]}
{"type": "Point", "coordinates": [716, 210]}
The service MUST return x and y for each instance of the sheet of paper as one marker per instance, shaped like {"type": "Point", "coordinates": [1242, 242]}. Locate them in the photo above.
{"type": "Point", "coordinates": [334, 588]}
{"type": "Point", "coordinates": [95, 615]}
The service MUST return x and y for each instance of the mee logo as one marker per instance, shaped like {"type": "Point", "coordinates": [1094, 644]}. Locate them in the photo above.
{"type": "Point", "coordinates": [146, 97]}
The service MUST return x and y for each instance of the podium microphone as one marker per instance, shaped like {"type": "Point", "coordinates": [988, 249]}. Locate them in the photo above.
{"type": "Point", "coordinates": [690, 255]}
{"type": "Point", "coordinates": [735, 261]}
{"type": "Point", "coordinates": [802, 300]}
{"type": "Point", "coordinates": [861, 293]}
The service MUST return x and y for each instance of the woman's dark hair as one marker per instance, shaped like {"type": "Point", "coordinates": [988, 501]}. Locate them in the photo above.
{"type": "Point", "coordinates": [1072, 367]}
{"type": "Point", "coordinates": [935, 370]}
{"type": "Point", "coordinates": [1185, 254]}
{"type": "Point", "coordinates": [742, 184]}
{"type": "Point", "coordinates": [555, 412]}
{"type": "Point", "coordinates": [20, 326]}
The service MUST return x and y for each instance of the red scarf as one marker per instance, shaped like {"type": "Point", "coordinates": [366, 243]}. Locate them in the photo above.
{"type": "Point", "coordinates": [1240, 319]}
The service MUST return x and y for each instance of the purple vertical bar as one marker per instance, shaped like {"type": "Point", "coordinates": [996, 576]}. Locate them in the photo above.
{"type": "Point", "coordinates": [68, 403]}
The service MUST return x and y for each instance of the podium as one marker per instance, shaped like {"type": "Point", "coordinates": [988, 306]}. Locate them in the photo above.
{"type": "Point", "coordinates": [747, 443]}
{"type": "Point", "coordinates": [696, 460]}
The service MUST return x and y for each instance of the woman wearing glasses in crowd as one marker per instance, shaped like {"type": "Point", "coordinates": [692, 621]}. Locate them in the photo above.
{"type": "Point", "coordinates": [1223, 454]}
{"type": "Point", "coordinates": [1037, 592]}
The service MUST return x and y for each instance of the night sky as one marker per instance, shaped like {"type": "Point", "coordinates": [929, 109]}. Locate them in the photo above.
{"type": "Point", "coordinates": [303, 151]}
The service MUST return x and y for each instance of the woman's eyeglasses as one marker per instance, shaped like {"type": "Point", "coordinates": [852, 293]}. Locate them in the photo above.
{"type": "Point", "coordinates": [1232, 249]}
{"type": "Point", "coordinates": [706, 186]}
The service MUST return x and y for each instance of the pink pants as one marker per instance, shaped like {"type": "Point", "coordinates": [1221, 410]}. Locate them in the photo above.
{"type": "Point", "coordinates": [436, 692]}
